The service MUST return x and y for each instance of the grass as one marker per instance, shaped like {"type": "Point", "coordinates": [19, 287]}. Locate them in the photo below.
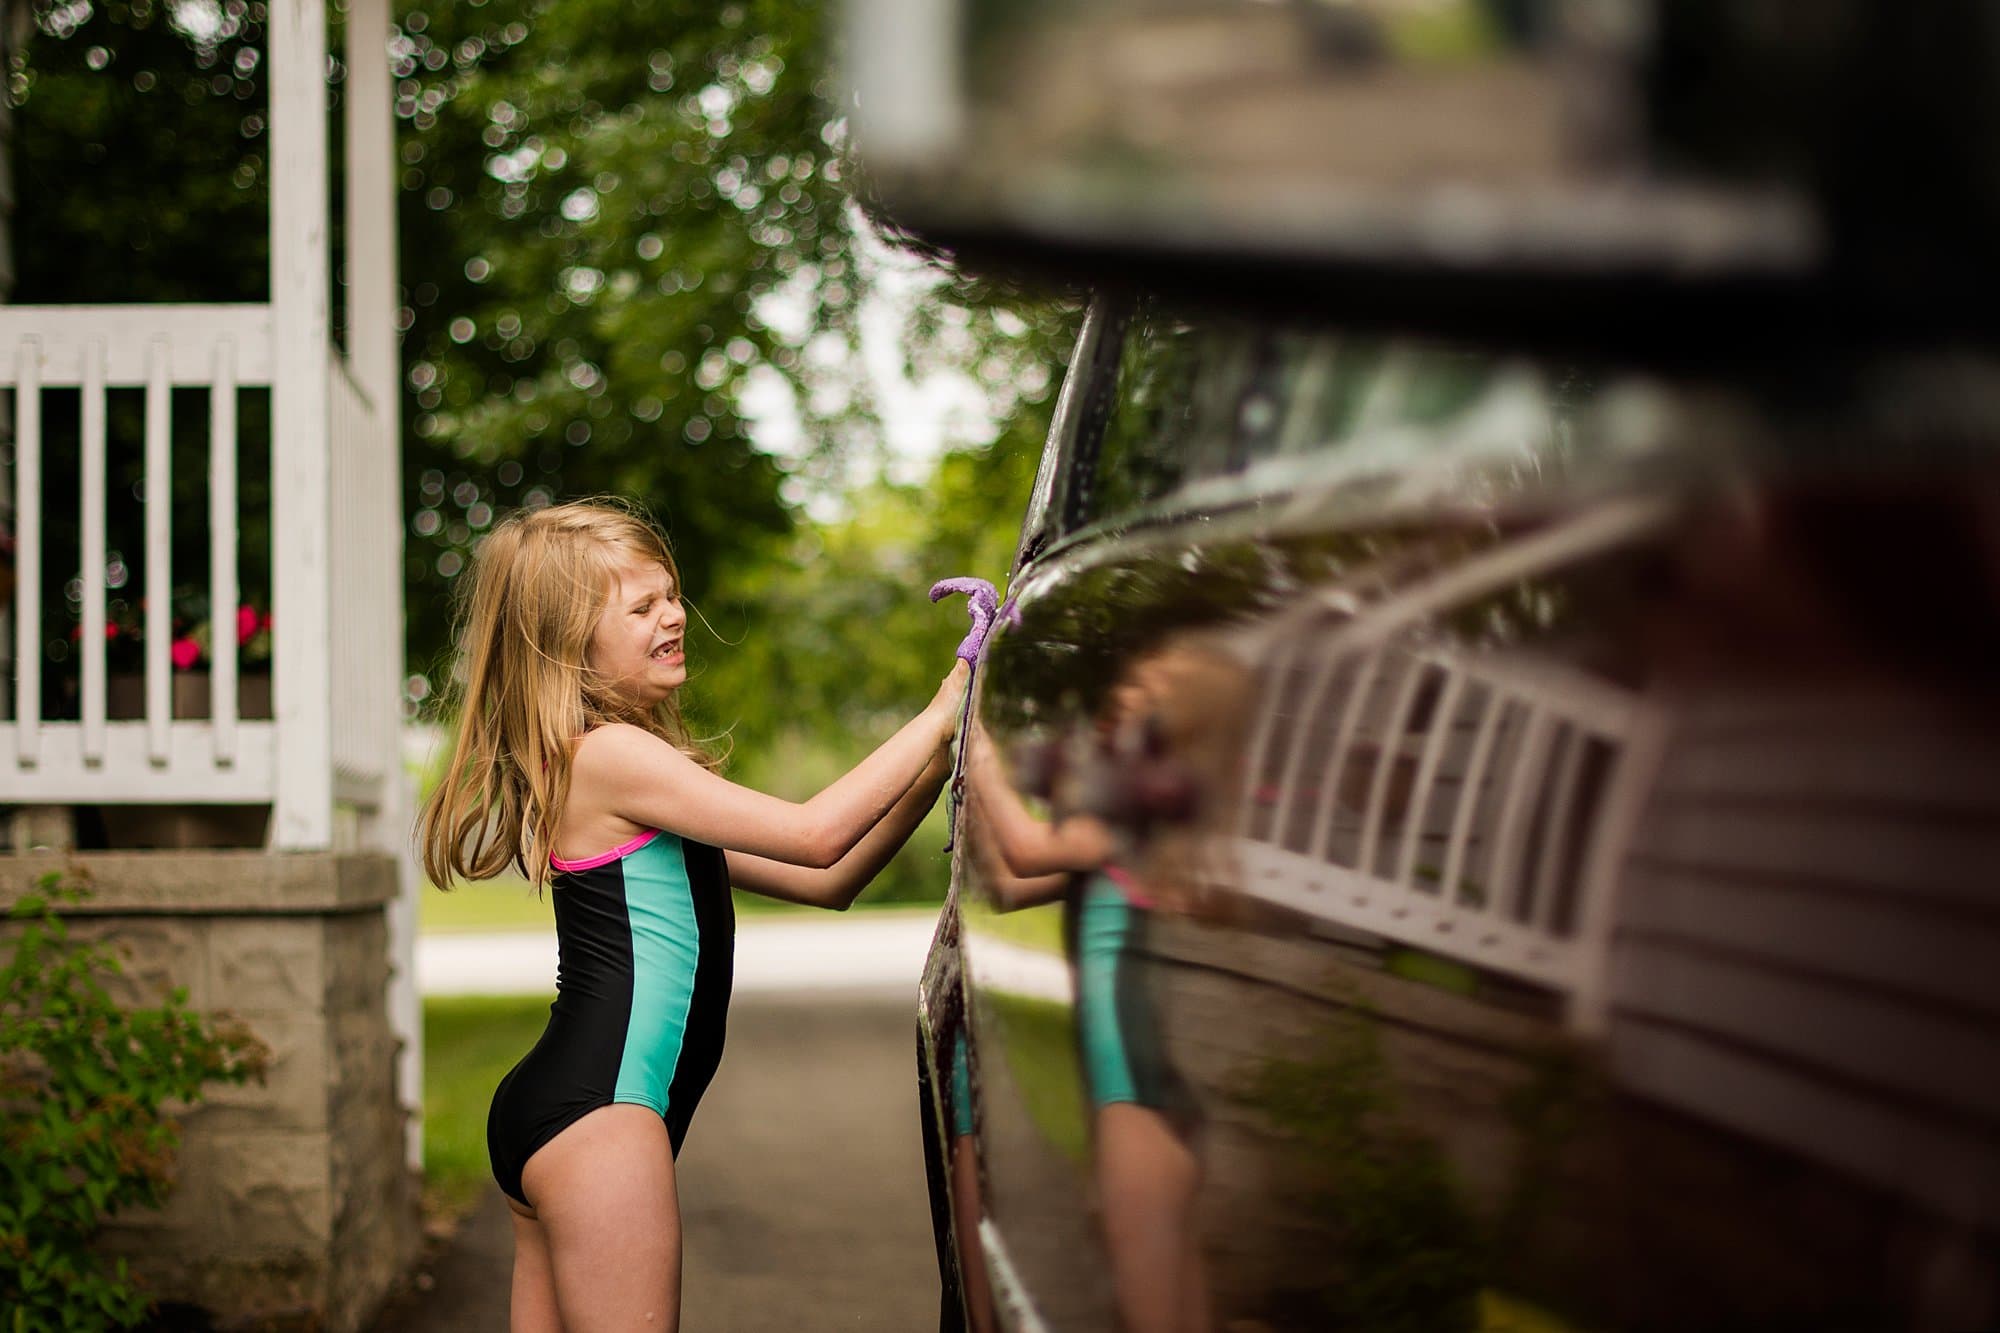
{"type": "Point", "coordinates": [1039, 1041]}
{"type": "Point", "coordinates": [1038, 928]}
{"type": "Point", "coordinates": [470, 1042]}
{"type": "Point", "coordinates": [495, 904]}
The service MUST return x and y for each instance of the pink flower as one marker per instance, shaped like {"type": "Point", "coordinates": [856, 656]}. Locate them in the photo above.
{"type": "Point", "coordinates": [186, 652]}
{"type": "Point", "coordinates": [246, 624]}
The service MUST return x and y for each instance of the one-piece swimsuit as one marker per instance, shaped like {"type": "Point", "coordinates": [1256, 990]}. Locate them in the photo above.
{"type": "Point", "coordinates": [646, 934]}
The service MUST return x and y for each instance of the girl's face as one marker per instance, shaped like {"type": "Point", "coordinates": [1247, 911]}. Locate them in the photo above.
{"type": "Point", "coordinates": [637, 645]}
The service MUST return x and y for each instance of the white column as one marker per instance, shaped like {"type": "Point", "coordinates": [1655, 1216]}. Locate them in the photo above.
{"type": "Point", "coordinates": [301, 575]}
{"type": "Point", "coordinates": [374, 355]}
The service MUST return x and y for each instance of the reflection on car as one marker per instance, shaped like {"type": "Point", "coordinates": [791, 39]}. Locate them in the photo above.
{"type": "Point", "coordinates": [1481, 809]}
{"type": "Point", "coordinates": [1450, 841]}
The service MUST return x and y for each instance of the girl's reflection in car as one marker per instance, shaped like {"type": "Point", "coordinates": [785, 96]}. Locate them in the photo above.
{"type": "Point", "coordinates": [1117, 798]}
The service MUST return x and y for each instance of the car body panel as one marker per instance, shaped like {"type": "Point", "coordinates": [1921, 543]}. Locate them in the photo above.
{"type": "Point", "coordinates": [1548, 884]}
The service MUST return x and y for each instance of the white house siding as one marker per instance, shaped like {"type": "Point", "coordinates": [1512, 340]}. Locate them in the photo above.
{"type": "Point", "coordinates": [1805, 942]}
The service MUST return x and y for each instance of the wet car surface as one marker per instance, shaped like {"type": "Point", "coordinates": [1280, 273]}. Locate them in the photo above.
{"type": "Point", "coordinates": [1481, 810]}
{"type": "Point", "coordinates": [1459, 840]}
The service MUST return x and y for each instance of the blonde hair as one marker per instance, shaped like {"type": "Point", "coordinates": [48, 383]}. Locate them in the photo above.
{"type": "Point", "coordinates": [525, 691]}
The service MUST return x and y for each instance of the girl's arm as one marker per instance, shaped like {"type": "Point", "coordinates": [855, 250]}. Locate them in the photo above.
{"type": "Point", "coordinates": [837, 885]}
{"type": "Point", "coordinates": [1028, 845]}
{"type": "Point", "coordinates": [1008, 891]}
{"type": "Point", "coordinates": [637, 776]}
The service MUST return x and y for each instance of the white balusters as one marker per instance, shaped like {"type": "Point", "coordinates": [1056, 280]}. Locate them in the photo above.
{"type": "Point", "coordinates": [1437, 738]}
{"type": "Point", "coordinates": [1387, 753]}
{"type": "Point", "coordinates": [1336, 763]}
{"type": "Point", "coordinates": [1499, 785]}
{"type": "Point", "coordinates": [95, 352]}
{"type": "Point", "coordinates": [93, 551]}
{"type": "Point", "coordinates": [222, 522]}
{"type": "Point", "coordinates": [1452, 887]}
{"type": "Point", "coordinates": [28, 551]}
{"type": "Point", "coordinates": [159, 490]}
{"type": "Point", "coordinates": [1522, 784]}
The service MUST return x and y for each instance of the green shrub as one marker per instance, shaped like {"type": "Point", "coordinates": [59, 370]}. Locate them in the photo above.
{"type": "Point", "coordinates": [83, 1134]}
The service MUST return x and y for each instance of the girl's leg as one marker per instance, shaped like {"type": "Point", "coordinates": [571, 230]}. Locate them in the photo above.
{"type": "Point", "coordinates": [1147, 1178]}
{"type": "Point", "coordinates": [603, 1192]}
{"type": "Point", "coordinates": [533, 1307]}
{"type": "Point", "coordinates": [966, 1211]}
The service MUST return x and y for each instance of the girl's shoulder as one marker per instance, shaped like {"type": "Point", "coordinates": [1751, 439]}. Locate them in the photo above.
{"type": "Point", "coordinates": [599, 770]}
{"type": "Point", "coordinates": [622, 752]}
{"type": "Point", "coordinates": [616, 737]}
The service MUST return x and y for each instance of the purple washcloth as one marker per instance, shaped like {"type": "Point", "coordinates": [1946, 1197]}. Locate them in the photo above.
{"type": "Point", "coordinates": [985, 604]}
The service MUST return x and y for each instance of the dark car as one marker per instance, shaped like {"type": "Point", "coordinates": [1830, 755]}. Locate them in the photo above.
{"type": "Point", "coordinates": [1483, 804]}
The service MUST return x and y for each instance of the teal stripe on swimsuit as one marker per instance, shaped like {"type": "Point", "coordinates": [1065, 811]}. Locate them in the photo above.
{"type": "Point", "coordinates": [1103, 934]}
{"type": "Point", "coordinates": [666, 942]}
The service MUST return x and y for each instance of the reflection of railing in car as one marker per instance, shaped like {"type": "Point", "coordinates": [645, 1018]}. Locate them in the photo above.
{"type": "Point", "coordinates": [1470, 804]}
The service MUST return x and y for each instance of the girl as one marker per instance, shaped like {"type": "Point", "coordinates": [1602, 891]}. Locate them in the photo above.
{"type": "Point", "coordinates": [572, 764]}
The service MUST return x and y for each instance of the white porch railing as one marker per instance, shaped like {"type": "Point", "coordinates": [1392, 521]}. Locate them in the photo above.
{"type": "Point", "coordinates": [1474, 804]}
{"type": "Point", "coordinates": [223, 758]}
{"type": "Point", "coordinates": [1446, 803]}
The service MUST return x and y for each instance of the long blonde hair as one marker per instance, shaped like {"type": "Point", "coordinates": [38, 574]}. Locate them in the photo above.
{"type": "Point", "coordinates": [525, 692]}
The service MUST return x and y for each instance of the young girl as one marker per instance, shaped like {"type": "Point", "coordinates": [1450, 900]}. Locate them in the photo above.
{"type": "Point", "coordinates": [572, 764]}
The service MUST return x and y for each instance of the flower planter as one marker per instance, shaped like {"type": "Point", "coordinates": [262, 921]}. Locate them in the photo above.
{"type": "Point", "coordinates": [184, 827]}
{"type": "Point", "coordinates": [125, 696]}
{"type": "Point", "coordinates": [132, 827]}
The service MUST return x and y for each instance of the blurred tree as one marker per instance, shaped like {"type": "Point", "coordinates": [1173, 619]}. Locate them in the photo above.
{"type": "Point", "coordinates": [831, 638]}
{"type": "Point", "coordinates": [615, 187]}
{"type": "Point", "coordinates": [116, 103]}
{"type": "Point", "coordinates": [615, 219]}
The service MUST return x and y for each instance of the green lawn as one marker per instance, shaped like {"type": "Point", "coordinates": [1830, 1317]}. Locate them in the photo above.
{"type": "Point", "coordinates": [469, 1043]}
{"type": "Point", "coordinates": [1039, 1041]}
{"type": "Point", "coordinates": [1038, 928]}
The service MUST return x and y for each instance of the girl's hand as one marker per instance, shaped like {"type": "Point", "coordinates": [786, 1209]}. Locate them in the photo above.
{"type": "Point", "coordinates": [950, 698]}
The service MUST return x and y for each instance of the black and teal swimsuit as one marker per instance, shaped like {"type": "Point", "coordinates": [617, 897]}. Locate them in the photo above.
{"type": "Point", "coordinates": [646, 935]}
{"type": "Point", "coordinates": [1118, 1032]}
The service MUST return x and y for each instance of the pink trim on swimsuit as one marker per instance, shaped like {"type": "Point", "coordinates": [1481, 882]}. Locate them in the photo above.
{"type": "Point", "coordinates": [1122, 877]}
{"type": "Point", "coordinates": [606, 858]}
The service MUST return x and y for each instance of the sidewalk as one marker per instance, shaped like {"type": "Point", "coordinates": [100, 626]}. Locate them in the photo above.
{"type": "Point", "coordinates": [875, 951]}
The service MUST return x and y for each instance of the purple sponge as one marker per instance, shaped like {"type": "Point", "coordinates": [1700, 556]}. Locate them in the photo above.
{"type": "Point", "coordinates": [985, 605]}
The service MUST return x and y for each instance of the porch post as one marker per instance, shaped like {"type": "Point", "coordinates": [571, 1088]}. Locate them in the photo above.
{"type": "Point", "coordinates": [302, 814]}
{"type": "Point", "coordinates": [373, 356]}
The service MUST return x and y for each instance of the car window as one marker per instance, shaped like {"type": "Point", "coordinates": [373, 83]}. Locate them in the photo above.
{"type": "Point", "coordinates": [1169, 410]}
{"type": "Point", "coordinates": [1177, 400]}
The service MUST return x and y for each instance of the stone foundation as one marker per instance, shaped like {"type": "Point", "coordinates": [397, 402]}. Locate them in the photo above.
{"type": "Point", "coordinates": [293, 1203]}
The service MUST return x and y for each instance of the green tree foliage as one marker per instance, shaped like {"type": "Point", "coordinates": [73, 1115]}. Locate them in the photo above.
{"type": "Point", "coordinates": [140, 153]}
{"type": "Point", "coordinates": [832, 636]}
{"type": "Point", "coordinates": [83, 1130]}
{"type": "Point", "coordinates": [596, 197]}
